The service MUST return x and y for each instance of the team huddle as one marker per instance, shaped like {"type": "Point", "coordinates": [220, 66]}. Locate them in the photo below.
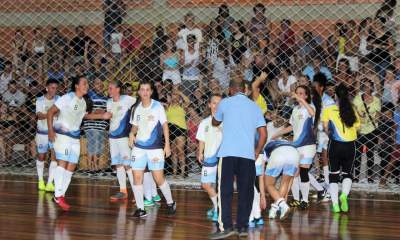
{"type": "Point", "coordinates": [319, 126]}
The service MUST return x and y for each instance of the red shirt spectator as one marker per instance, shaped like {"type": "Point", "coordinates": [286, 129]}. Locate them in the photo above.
{"type": "Point", "coordinates": [129, 42]}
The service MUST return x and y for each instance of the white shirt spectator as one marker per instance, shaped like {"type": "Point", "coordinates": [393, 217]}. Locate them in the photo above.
{"type": "Point", "coordinates": [4, 80]}
{"type": "Point", "coordinates": [116, 39]}
{"type": "Point", "coordinates": [16, 99]}
{"type": "Point", "coordinates": [182, 37]}
{"type": "Point", "coordinates": [286, 88]}
{"type": "Point", "coordinates": [221, 72]}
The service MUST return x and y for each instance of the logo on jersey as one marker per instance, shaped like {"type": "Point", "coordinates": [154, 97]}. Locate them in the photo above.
{"type": "Point", "coordinates": [207, 128]}
{"type": "Point", "coordinates": [138, 118]}
{"type": "Point", "coordinates": [76, 107]}
{"type": "Point", "coordinates": [150, 118]}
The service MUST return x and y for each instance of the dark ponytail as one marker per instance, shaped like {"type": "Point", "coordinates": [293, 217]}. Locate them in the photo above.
{"type": "Point", "coordinates": [316, 100]}
{"type": "Point", "coordinates": [346, 110]}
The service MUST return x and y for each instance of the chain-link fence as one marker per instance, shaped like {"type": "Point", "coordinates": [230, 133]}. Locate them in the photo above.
{"type": "Point", "coordinates": [190, 49]}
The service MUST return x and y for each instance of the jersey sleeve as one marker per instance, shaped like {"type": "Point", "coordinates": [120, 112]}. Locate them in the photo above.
{"type": "Point", "coordinates": [61, 102]}
{"type": "Point", "coordinates": [38, 105]}
{"type": "Point", "coordinates": [162, 115]}
{"type": "Point", "coordinates": [200, 135]}
{"type": "Point", "coordinates": [108, 106]}
{"type": "Point", "coordinates": [325, 115]}
{"type": "Point", "coordinates": [131, 101]}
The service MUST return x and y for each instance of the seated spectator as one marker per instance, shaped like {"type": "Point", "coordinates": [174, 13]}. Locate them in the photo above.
{"type": "Point", "coordinates": [225, 21]}
{"type": "Point", "coordinates": [7, 123]}
{"type": "Point", "coordinates": [222, 67]}
{"type": "Point", "coordinates": [238, 41]}
{"type": "Point", "coordinates": [13, 97]}
{"type": "Point", "coordinates": [213, 40]}
{"type": "Point", "coordinates": [56, 43]}
{"type": "Point", "coordinates": [38, 43]}
{"type": "Point", "coordinates": [349, 44]}
{"type": "Point", "coordinates": [189, 29]}
{"type": "Point", "coordinates": [159, 42]}
{"type": "Point", "coordinates": [309, 46]}
{"type": "Point", "coordinates": [286, 44]}
{"type": "Point", "coordinates": [191, 72]}
{"type": "Point", "coordinates": [259, 25]}
{"type": "Point", "coordinates": [77, 44]}
{"type": "Point", "coordinates": [170, 60]}
{"type": "Point", "coordinates": [56, 71]}
{"type": "Point", "coordinates": [315, 67]}
{"type": "Point", "coordinates": [367, 71]}
{"type": "Point", "coordinates": [363, 31]}
{"type": "Point", "coordinates": [116, 41]}
{"type": "Point", "coordinates": [6, 76]}
{"type": "Point", "coordinates": [129, 42]}
{"type": "Point", "coordinates": [390, 80]}
{"type": "Point", "coordinates": [19, 47]}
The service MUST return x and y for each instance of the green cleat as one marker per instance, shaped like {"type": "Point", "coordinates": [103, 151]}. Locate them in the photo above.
{"type": "Point", "coordinates": [148, 203]}
{"type": "Point", "coordinates": [41, 185]}
{"type": "Point", "coordinates": [343, 203]}
{"type": "Point", "coordinates": [50, 187]}
{"type": "Point", "coordinates": [156, 198]}
{"type": "Point", "coordinates": [335, 208]}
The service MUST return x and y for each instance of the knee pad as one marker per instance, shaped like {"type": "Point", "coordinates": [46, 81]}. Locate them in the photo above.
{"type": "Point", "coordinates": [334, 177]}
{"type": "Point", "coordinates": [347, 175]}
{"type": "Point", "coordinates": [304, 174]}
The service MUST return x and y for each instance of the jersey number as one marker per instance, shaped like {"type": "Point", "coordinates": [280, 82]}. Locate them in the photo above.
{"type": "Point", "coordinates": [205, 173]}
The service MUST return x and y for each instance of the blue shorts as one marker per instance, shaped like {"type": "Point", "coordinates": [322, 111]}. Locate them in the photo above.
{"type": "Point", "coordinates": [95, 141]}
{"type": "Point", "coordinates": [285, 160]}
{"type": "Point", "coordinates": [209, 174]}
{"type": "Point", "coordinates": [67, 148]}
{"type": "Point", "coordinates": [152, 158]}
{"type": "Point", "coordinates": [307, 154]}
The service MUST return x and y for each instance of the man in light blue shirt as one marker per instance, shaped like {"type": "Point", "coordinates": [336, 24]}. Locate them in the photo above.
{"type": "Point", "coordinates": [242, 119]}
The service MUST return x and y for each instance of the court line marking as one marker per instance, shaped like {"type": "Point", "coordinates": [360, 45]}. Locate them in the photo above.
{"type": "Point", "coordinates": [193, 190]}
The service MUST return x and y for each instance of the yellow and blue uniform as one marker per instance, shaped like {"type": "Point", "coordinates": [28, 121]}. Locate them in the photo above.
{"type": "Point", "coordinates": [337, 130]}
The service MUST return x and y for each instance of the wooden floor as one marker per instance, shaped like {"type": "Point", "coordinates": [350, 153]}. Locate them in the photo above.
{"type": "Point", "coordinates": [26, 213]}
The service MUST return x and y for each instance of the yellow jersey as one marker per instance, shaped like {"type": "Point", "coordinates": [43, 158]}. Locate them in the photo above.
{"type": "Point", "coordinates": [338, 131]}
{"type": "Point", "coordinates": [261, 103]}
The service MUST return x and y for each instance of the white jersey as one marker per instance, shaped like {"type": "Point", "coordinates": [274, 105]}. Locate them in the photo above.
{"type": "Point", "coordinates": [302, 123]}
{"type": "Point", "coordinates": [149, 121]}
{"type": "Point", "coordinates": [72, 110]}
{"type": "Point", "coordinates": [121, 112]}
{"type": "Point", "coordinates": [212, 137]}
{"type": "Point", "coordinates": [271, 130]}
{"type": "Point", "coordinates": [42, 106]}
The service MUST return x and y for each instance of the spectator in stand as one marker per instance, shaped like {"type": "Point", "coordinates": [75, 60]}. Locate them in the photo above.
{"type": "Point", "coordinates": [56, 71]}
{"type": "Point", "coordinates": [114, 12]}
{"type": "Point", "coordinates": [176, 116]}
{"type": "Point", "coordinates": [367, 71]}
{"type": "Point", "coordinates": [222, 67]}
{"type": "Point", "coordinates": [390, 80]}
{"type": "Point", "coordinates": [396, 64]}
{"type": "Point", "coordinates": [286, 86]}
{"type": "Point", "coordinates": [189, 29]}
{"type": "Point", "coordinates": [309, 46]}
{"type": "Point", "coordinates": [213, 40]}
{"type": "Point", "coordinates": [129, 42]}
{"type": "Point", "coordinates": [349, 44]}
{"type": "Point", "coordinates": [96, 130]}
{"type": "Point", "coordinates": [238, 42]}
{"type": "Point", "coordinates": [77, 45]}
{"type": "Point", "coordinates": [38, 46]}
{"type": "Point", "coordinates": [115, 41]}
{"type": "Point", "coordinates": [19, 48]}
{"type": "Point", "coordinates": [191, 72]}
{"type": "Point", "coordinates": [363, 32]}
{"type": "Point", "coordinates": [225, 21]}
{"type": "Point", "coordinates": [286, 43]}
{"type": "Point", "coordinates": [56, 44]}
{"type": "Point", "coordinates": [259, 25]}
{"type": "Point", "coordinates": [159, 42]}
{"type": "Point", "coordinates": [368, 108]}
{"type": "Point", "coordinates": [345, 75]}
{"type": "Point", "coordinates": [315, 67]}
{"type": "Point", "coordinates": [8, 120]}
{"type": "Point", "coordinates": [6, 76]}
{"type": "Point", "coordinates": [170, 60]}
{"type": "Point", "coordinates": [13, 97]}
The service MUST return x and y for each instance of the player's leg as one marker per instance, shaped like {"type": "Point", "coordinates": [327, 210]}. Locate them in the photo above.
{"type": "Point", "coordinates": [138, 164]}
{"type": "Point", "coordinates": [208, 178]}
{"type": "Point", "coordinates": [52, 168]}
{"type": "Point", "coordinates": [307, 154]}
{"type": "Point", "coordinates": [116, 160]}
{"type": "Point", "coordinates": [180, 148]}
{"type": "Point", "coordinates": [346, 163]}
{"type": "Point", "coordinates": [334, 174]}
{"type": "Point", "coordinates": [42, 148]}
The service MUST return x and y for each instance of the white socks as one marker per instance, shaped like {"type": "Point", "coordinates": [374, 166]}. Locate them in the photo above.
{"type": "Point", "coordinates": [315, 183]}
{"type": "Point", "coordinates": [66, 180]}
{"type": "Point", "coordinates": [147, 185]}
{"type": "Point", "coordinates": [214, 201]}
{"type": "Point", "coordinates": [129, 172]}
{"type": "Point", "coordinates": [305, 189]}
{"type": "Point", "coordinates": [346, 186]}
{"type": "Point", "coordinates": [334, 190]}
{"type": "Point", "coordinates": [40, 169]}
{"type": "Point", "coordinates": [52, 169]}
{"type": "Point", "coordinates": [138, 192]}
{"type": "Point", "coordinates": [256, 210]}
{"type": "Point", "coordinates": [166, 191]}
{"type": "Point", "coordinates": [121, 175]}
{"type": "Point", "coordinates": [326, 174]}
{"type": "Point", "coordinates": [296, 188]}
{"type": "Point", "coordinates": [153, 187]}
{"type": "Point", "coordinates": [58, 181]}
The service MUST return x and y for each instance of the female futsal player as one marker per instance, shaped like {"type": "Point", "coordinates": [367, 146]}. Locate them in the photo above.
{"type": "Point", "coordinates": [341, 122]}
{"type": "Point", "coordinates": [302, 124]}
{"type": "Point", "coordinates": [65, 134]}
{"type": "Point", "coordinates": [209, 138]}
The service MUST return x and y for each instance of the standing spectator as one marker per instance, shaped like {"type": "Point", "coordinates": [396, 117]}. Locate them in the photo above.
{"type": "Point", "coordinates": [38, 46]}
{"type": "Point", "coordinates": [390, 79]}
{"type": "Point", "coordinates": [222, 67]}
{"type": "Point", "coordinates": [6, 76]}
{"type": "Point", "coordinates": [116, 41]}
{"type": "Point", "coordinates": [237, 154]}
{"type": "Point", "coordinates": [95, 130]}
{"type": "Point", "coordinates": [225, 21]}
{"type": "Point", "coordinates": [159, 42]}
{"type": "Point", "coordinates": [238, 41]}
{"type": "Point", "coordinates": [213, 40]}
{"type": "Point", "coordinates": [191, 71]}
{"type": "Point", "coordinates": [189, 29]}
{"type": "Point", "coordinates": [287, 41]}
{"type": "Point", "coordinates": [56, 71]}
{"type": "Point", "coordinates": [259, 24]}
{"type": "Point", "coordinates": [19, 48]}
{"type": "Point", "coordinates": [78, 43]}
{"type": "Point", "coordinates": [129, 42]}
{"type": "Point", "coordinates": [316, 67]}
{"type": "Point", "coordinates": [309, 46]}
{"type": "Point", "coordinates": [286, 86]}
{"type": "Point", "coordinates": [349, 44]}
{"type": "Point", "coordinates": [56, 43]}
{"type": "Point", "coordinates": [114, 11]}
{"type": "Point", "coordinates": [13, 96]}
{"type": "Point", "coordinates": [363, 31]}
{"type": "Point", "coordinates": [368, 108]}
{"type": "Point", "coordinates": [169, 60]}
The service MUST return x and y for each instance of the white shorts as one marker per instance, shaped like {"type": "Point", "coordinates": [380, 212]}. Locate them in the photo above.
{"type": "Point", "coordinates": [174, 75]}
{"type": "Point", "coordinates": [323, 140]}
{"type": "Point", "coordinates": [120, 151]}
{"type": "Point", "coordinates": [307, 153]}
{"type": "Point", "coordinates": [152, 158]}
{"type": "Point", "coordinates": [285, 160]}
{"type": "Point", "coordinates": [42, 143]}
{"type": "Point", "coordinates": [67, 148]}
{"type": "Point", "coordinates": [209, 174]}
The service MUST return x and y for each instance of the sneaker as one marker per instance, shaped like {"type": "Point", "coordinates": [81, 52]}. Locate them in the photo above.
{"type": "Point", "coordinates": [148, 203]}
{"type": "Point", "coordinates": [335, 208]}
{"type": "Point", "coordinates": [214, 217]}
{"type": "Point", "coordinates": [343, 203]}
{"type": "Point", "coordinates": [171, 208]}
{"type": "Point", "coordinates": [50, 187]}
{"type": "Point", "coordinates": [294, 203]}
{"type": "Point", "coordinates": [139, 213]}
{"type": "Point", "coordinates": [303, 205]}
{"type": "Point", "coordinates": [41, 185]}
{"type": "Point", "coordinates": [61, 202]}
{"type": "Point", "coordinates": [323, 196]}
{"type": "Point", "coordinates": [119, 196]}
{"type": "Point", "coordinates": [284, 209]}
{"type": "Point", "coordinates": [210, 212]}
{"type": "Point", "coordinates": [273, 211]}
{"type": "Point", "coordinates": [252, 224]}
{"type": "Point", "coordinates": [157, 198]}
{"type": "Point", "coordinates": [243, 232]}
{"type": "Point", "coordinates": [259, 221]}
{"type": "Point", "coordinates": [222, 234]}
